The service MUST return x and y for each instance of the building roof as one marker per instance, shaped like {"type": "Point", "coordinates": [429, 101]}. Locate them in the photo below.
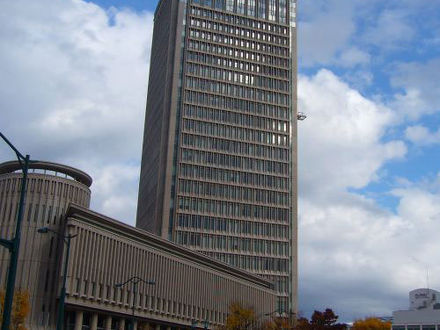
{"type": "Point", "coordinates": [150, 239]}
{"type": "Point", "coordinates": [78, 175]}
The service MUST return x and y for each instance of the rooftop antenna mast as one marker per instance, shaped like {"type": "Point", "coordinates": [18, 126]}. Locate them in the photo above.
{"type": "Point", "coordinates": [427, 277]}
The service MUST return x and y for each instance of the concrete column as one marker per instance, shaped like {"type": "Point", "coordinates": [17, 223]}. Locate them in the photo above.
{"type": "Point", "coordinates": [157, 327]}
{"type": "Point", "coordinates": [94, 322]}
{"type": "Point", "coordinates": [78, 320]}
{"type": "Point", "coordinates": [108, 323]}
{"type": "Point", "coordinates": [168, 328]}
{"type": "Point", "coordinates": [121, 324]}
{"type": "Point", "coordinates": [135, 325]}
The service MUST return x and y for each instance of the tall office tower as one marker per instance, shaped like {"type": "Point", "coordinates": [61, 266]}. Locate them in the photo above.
{"type": "Point", "coordinates": [219, 171]}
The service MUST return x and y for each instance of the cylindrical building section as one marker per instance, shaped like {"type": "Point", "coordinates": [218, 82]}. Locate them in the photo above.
{"type": "Point", "coordinates": [51, 188]}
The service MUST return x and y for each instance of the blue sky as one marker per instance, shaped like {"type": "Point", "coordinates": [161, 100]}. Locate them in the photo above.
{"type": "Point", "coordinates": [74, 78]}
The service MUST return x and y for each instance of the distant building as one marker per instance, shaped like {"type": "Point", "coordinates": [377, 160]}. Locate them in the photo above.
{"type": "Point", "coordinates": [191, 290]}
{"type": "Point", "coordinates": [423, 313]}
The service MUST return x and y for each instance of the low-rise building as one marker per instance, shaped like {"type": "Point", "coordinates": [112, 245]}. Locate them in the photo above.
{"type": "Point", "coordinates": [423, 312]}
{"type": "Point", "coordinates": [190, 290]}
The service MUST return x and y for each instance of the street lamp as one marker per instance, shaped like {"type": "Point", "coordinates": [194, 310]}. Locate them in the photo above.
{"type": "Point", "coordinates": [13, 245]}
{"type": "Point", "coordinates": [66, 239]}
{"type": "Point", "coordinates": [135, 280]}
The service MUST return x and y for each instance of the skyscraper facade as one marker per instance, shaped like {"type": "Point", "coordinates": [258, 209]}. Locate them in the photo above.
{"type": "Point", "coordinates": [219, 169]}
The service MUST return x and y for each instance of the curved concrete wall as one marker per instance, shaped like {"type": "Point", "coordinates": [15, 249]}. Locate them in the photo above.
{"type": "Point", "coordinates": [50, 189]}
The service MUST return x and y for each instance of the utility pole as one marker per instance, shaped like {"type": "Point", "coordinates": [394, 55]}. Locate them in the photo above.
{"type": "Point", "coordinates": [13, 245]}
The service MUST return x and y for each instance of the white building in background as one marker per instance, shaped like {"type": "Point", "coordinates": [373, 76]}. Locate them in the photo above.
{"type": "Point", "coordinates": [423, 313]}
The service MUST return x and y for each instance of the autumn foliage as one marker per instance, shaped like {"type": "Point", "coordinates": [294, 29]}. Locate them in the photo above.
{"type": "Point", "coordinates": [20, 309]}
{"type": "Point", "coordinates": [371, 323]}
{"type": "Point", "coordinates": [239, 318]}
{"type": "Point", "coordinates": [276, 323]}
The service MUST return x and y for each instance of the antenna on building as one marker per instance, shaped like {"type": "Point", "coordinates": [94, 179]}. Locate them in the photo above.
{"type": "Point", "coordinates": [427, 277]}
{"type": "Point", "coordinates": [301, 116]}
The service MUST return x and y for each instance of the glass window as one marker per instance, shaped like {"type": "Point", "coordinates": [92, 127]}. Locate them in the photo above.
{"type": "Point", "coordinates": [240, 6]}
{"type": "Point", "coordinates": [220, 4]}
{"type": "Point", "coordinates": [230, 5]}
{"type": "Point", "coordinates": [413, 327]}
{"type": "Point", "coordinates": [262, 8]}
{"type": "Point", "coordinates": [251, 8]}
{"type": "Point", "coordinates": [272, 10]}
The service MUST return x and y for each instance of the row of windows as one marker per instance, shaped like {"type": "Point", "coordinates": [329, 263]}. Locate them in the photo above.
{"type": "Point", "coordinates": [269, 49]}
{"type": "Point", "coordinates": [237, 77]}
{"type": "Point", "coordinates": [232, 161]}
{"type": "Point", "coordinates": [237, 65]}
{"type": "Point", "coordinates": [224, 102]}
{"type": "Point", "coordinates": [233, 192]}
{"type": "Point", "coordinates": [235, 177]}
{"type": "Point", "coordinates": [235, 147]}
{"type": "Point", "coordinates": [240, 55]}
{"type": "Point", "coordinates": [237, 227]}
{"type": "Point", "coordinates": [231, 209]}
{"type": "Point", "coordinates": [231, 132]}
{"type": "Point", "coordinates": [280, 283]}
{"type": "Point", "coordinates": [263, 9]}
{"type": "Point", "coordinates": [239, 20]}
{"type": "Point", "coordinates": [236, 244]}
{"type": "Point", "coordinates": [242, 32]}
{"type": "Point", "coordinates": [211, 86]}
{"type": "Point", "coordinates": [252, 263]}
{"type": "Point", "coordinates": [234, 118]}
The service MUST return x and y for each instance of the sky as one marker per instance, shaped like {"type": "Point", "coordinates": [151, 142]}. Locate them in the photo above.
{"type": "Point", "coordinates": [74, 75]}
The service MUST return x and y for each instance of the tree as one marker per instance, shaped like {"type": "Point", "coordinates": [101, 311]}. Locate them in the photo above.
{"type": "Point", "coordinates": [321, 321]}
{"type": "Point", "coordinates": [278, 323]}
{"type": "Point", "coordinates": [20, 309]}
{"type": "Point", "coordinates": [371, 323]}
{"type": "Point", "coordinates": [239, 318]}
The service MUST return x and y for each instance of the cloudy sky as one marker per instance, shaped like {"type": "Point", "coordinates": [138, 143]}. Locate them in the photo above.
{"type": "Point", "coordinates": [72, 90]}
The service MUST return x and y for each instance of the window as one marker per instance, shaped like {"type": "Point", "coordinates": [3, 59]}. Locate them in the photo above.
{"type": "Point", "coordinates": [251, 8]}
{"type": "Point", "coordinates": [230, 5]}
{"type": "Point", "coordinates": [262, 9]}
{"type": "Point", "coordinates": [240, 6]}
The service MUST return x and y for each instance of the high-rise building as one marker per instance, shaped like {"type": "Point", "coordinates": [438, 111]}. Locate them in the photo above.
{"type": "Point", "coordinates": [219, 159]}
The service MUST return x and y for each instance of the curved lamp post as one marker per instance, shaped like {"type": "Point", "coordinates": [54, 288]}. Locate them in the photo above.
{"type": "Point", "coordinates": [66, 239]}
{"type": "Point", "coordinates": [135, 280]}
{"type": "Point", "coordinates": [13, 245]}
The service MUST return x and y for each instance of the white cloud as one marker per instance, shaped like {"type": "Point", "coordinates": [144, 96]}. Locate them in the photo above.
{"type": "Point", "coordinates": [116, 191]}
{"type": "Point", "coordinates": [324, 30]}
{"type": "Point", "coordinates": [353, 56]}
{"type": "Point", "coordinates": [355, 256]}
{"type": "Point", "coordinates": [421, 135]}
{"type": "Point", "coordinates": [391, 30]}
{"type": "Point", "coordinates": [341, 136]}
{"type": "Point", "coordinates": [73, 90]}
{"type": "Point", "coordinates": [419, 82]}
